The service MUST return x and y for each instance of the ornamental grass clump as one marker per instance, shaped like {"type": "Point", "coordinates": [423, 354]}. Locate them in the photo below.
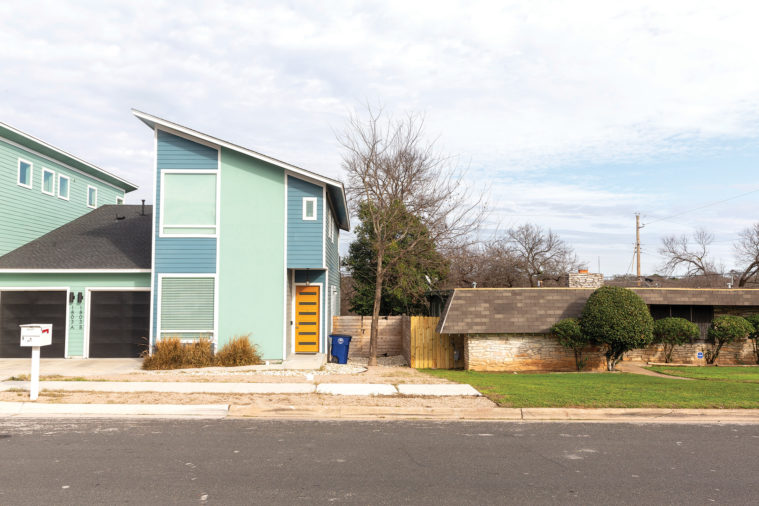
{"type": "Point", "coordinates": [672, 332]}
{"type": "Point", "coordinates": [570, 335]}
{"type": "Point", "coordinates": [617, 319]}
{"type": "Point", "coordinates": [171, 353]}
{"type": "Point", "coordinates": [724, 330]}
{"type": "Point", "coordinates": [238, 351]}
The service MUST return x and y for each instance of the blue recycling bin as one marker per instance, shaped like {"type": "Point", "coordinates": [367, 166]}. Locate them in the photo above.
{"type": "Point", "coordinates": [340, 345]}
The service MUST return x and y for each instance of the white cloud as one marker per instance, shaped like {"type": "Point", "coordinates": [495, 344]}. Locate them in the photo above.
{"type": "Point", "coordinates": [519, 90]}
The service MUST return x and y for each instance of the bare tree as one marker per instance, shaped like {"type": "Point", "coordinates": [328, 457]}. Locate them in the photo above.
{"type": "Point", "coordinates": [689, 253]}
{"type": "Point", "coordinates": [393, 173]}
{"type": "Point", "coordinates": [541, 255]}
{"type": "Point", "coordinates": [489, 264]}
{"type": "Point", "coordinates": [747, 253]}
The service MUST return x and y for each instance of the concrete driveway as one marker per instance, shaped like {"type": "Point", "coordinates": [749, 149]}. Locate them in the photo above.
{"type": "Point", "coordinates": [70, 366]}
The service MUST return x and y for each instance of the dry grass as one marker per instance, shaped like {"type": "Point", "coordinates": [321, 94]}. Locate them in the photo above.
{"type": "Point", "coordinates": [171, 353]}
{"type": "Point", "coordinates": [238, 351]}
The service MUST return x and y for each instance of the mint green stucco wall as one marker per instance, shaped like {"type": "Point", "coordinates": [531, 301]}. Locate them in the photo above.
{"type": "Point", "coordinates": [75, 283]}
{"type": "Point", "coordinates": [27, 213]}
{"type": "Point", "coordinates": [252, 252]}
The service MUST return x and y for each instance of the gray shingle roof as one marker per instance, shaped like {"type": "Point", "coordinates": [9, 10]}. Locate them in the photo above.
{"type": "Point", "coordinates": [535, 310]}
{"type": "Point", "coordinates": [97, 240]}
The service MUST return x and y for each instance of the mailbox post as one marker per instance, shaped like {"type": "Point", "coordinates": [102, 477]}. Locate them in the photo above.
{"type": "Point", "coordinates": [35, 335]}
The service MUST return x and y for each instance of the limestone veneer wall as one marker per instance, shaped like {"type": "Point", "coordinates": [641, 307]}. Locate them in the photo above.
{"type": "Point", "coordinates": [542, 352]}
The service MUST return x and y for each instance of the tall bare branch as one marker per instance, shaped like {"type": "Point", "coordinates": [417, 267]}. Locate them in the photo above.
{"type": "Point", "coordinates": [688, 253]}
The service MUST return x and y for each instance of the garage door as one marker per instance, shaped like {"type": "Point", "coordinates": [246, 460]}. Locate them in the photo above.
{"type": "Point", "coordinates": [119, 324]}
{"type": "Point", "coordinates": [17, 308]}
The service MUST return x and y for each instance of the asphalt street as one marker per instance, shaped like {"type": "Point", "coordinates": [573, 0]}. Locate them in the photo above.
{"type": "Point", "coordinates": [64, 461]}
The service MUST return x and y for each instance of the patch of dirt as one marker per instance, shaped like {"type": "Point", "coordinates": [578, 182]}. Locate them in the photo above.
{"type": "Point", "coordinates": [295, 400]}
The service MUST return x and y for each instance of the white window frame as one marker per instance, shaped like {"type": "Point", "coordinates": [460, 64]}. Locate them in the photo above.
{"type": "Point", "coordinates": [45, 170]}
{"type": "Point", "coordinates": [218, 204]}
{"type": "Point", "coordinates": [305, 206]}
{"type": "Point", "coordinates": [90, 187]}
{"type": "Point", "coordinates": [68, 187]}
{"type": "Point", "coordinates": [31, 173]}
{"type": "Point", "coordinates": [214, 332]}
{"type": "Point", "coordinates": [119, 201]}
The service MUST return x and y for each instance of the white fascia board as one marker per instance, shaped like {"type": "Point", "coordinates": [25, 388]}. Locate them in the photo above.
{"type": "Point", "coordinates": [154, 121]}
{"type": "Point", "coordinates": [64, 153]}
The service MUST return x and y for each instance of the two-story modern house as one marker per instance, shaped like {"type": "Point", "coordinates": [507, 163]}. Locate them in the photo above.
{"type": "Point", "coordinates": [243, 244]}
{"type": "Point", "coordinates": [43, 187]}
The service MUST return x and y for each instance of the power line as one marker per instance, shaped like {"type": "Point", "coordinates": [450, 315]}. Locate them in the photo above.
{"type": "Point", "coordinates": [702, 207]}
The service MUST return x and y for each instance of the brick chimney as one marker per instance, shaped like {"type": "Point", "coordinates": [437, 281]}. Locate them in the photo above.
{"type": "Point", "coordinates": [583, 279]}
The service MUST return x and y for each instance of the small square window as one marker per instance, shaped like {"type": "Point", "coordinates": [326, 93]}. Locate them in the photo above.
{"type": "Point", "coordinates": [309, 208]}
{"type": "Point", "coordinates": [48, 182]}
{"type": "Point", "coordinates": [92, 196]}
{"type": "Point", "coordinates": [63, 187]}
{"type": "Point", "coordinates": [24, 173]}
{"type": "Point", "coordinates": [119, 201]}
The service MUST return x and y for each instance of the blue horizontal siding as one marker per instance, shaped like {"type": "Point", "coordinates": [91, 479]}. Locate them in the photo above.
{"type": "Point", "coordinates": [180, 255]}
{"type": "Point", "coordinates": [304, 237]}
{"type": "Point", "coordinates": [179, 153]}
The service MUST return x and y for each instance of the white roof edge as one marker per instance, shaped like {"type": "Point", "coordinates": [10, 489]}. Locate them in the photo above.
{"type": "Point", "coordinates": [64, 153]}
{"type": "Point", "coordinates": [151, 121]}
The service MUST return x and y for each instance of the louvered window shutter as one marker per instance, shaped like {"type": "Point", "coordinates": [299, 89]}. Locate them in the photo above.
{"type": "Point", "coordinates": [187, 306]}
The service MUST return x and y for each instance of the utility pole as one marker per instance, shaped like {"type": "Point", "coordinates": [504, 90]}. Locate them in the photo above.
{"type": "Point", "coordinates": [637, 243]}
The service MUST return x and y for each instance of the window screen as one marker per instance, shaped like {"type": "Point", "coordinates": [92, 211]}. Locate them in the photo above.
{"type": "Point", "coordinates": [187, 307]}
{"type": "Point", "coordinates": [189, 204]}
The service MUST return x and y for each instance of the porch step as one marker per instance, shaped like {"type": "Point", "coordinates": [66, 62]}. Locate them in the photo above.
{"type": "Point", "coordinates": [300, 361]}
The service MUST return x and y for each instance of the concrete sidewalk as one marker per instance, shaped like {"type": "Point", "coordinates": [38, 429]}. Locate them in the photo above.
{"type": "Point", "coordinates": [364, 389]}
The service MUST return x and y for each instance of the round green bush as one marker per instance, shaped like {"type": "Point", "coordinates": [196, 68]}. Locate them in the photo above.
{"type": "Point", "coordinates": [726, 329]}
{"type": "Point", "coordinates": [754, 320]}
{"type": "Point", "coordinates": [673, 332]}
{"type": "Point", "coordinates": [569, 335]}
{"type": "Point", "coordinates": [618, 319]}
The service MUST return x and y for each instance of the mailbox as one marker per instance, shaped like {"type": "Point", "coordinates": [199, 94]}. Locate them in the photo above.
{"type": "Point", "coordinates": [36, 334]}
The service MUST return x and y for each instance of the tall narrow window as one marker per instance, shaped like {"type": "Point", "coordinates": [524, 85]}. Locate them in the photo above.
{"type": "Point", "coordinates": [48, 182]}
{"type": "Point", "coordinates": [24, 173]}
{"type": "Point", "coordinates": [188, 204]}
{"type": "Point", "coordinates": [92, 196]}
{"type": "Point", "coordinates": [63, 187]}
{"type": "Point", "coordinates": [309, 208]}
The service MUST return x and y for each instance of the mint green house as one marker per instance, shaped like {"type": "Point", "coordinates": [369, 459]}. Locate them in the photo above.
{"type": "Point", "coordinates": [43, 187]}
{"type": "Point", "coordinates": [242, 244]}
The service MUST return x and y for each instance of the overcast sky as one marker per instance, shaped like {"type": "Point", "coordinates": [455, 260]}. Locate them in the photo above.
{"type": "Point", "coordinates": [576, 114]}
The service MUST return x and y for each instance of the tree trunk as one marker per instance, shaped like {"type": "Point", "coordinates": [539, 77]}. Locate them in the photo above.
{"type": "Point", "coordinates": [610, 363]}
{"type": "Point", "coordinates": [373, 334]}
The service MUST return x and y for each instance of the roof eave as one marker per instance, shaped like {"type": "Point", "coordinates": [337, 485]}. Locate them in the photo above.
{"type": "Point", "coordinates": [343, 218]}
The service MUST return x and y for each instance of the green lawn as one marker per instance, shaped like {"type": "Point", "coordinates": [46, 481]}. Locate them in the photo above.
{"type": "Point", "coordinates": [605, 390]}
{"type": "Point", "coordinates": [740, 374]}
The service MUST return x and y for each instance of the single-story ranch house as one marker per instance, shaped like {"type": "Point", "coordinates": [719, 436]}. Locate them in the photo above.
{"type": "Point", "coordinates": [508, 329]}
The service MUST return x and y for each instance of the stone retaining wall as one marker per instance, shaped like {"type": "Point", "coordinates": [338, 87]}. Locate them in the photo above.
{"type": "Point", "coordinates": [542, 352]}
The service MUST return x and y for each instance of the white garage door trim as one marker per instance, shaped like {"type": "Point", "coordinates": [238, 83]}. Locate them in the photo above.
{"type": "Point", "coordinates": [48, 289]}
{"type": "Point", "coordinates": [88, 299]}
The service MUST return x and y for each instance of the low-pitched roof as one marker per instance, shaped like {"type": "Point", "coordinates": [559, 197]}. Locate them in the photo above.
{"type": "Point", "coordinates": [112, 237]}
{"type": "Point", "coordinates": [335, 188]}
{"type": "Point", "coordinates": [15, 135]}
{"type": "Point", "coordinates": [536, 310]}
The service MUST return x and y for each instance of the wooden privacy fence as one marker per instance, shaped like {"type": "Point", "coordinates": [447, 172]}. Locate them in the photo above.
{"type": "Point", "coordinates": [430, 350]}
{"type": "Point", "coordinates": [414, 337]}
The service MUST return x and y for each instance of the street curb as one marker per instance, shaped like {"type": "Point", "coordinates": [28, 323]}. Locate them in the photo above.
{"type": "Point", "coordinates": [683, 416]}
{"type": "Point", "coordinates": [34, 409]}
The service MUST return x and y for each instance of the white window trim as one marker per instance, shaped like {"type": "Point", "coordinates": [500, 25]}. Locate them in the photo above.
{"type": "Point", "coordinates": [68, 187]}
{"type": "Point", "coordinates": [214, 332]}
{"type": "Point", "coordinates": [119, 201]}
{"type": "Point", "coordinates": [90, 187]}
{"type": "Point", "coordinates": [48, 171]}
{"type": "Point", "coordinates": [316, 209]}
{"type": "Point", "coordinates": [31, 174]}
{"type": "Point", "coordinates": [161, 224]}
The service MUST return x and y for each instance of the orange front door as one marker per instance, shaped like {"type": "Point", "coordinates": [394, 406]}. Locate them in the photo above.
{"type": "Point", "coordinates": [306, 319]}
